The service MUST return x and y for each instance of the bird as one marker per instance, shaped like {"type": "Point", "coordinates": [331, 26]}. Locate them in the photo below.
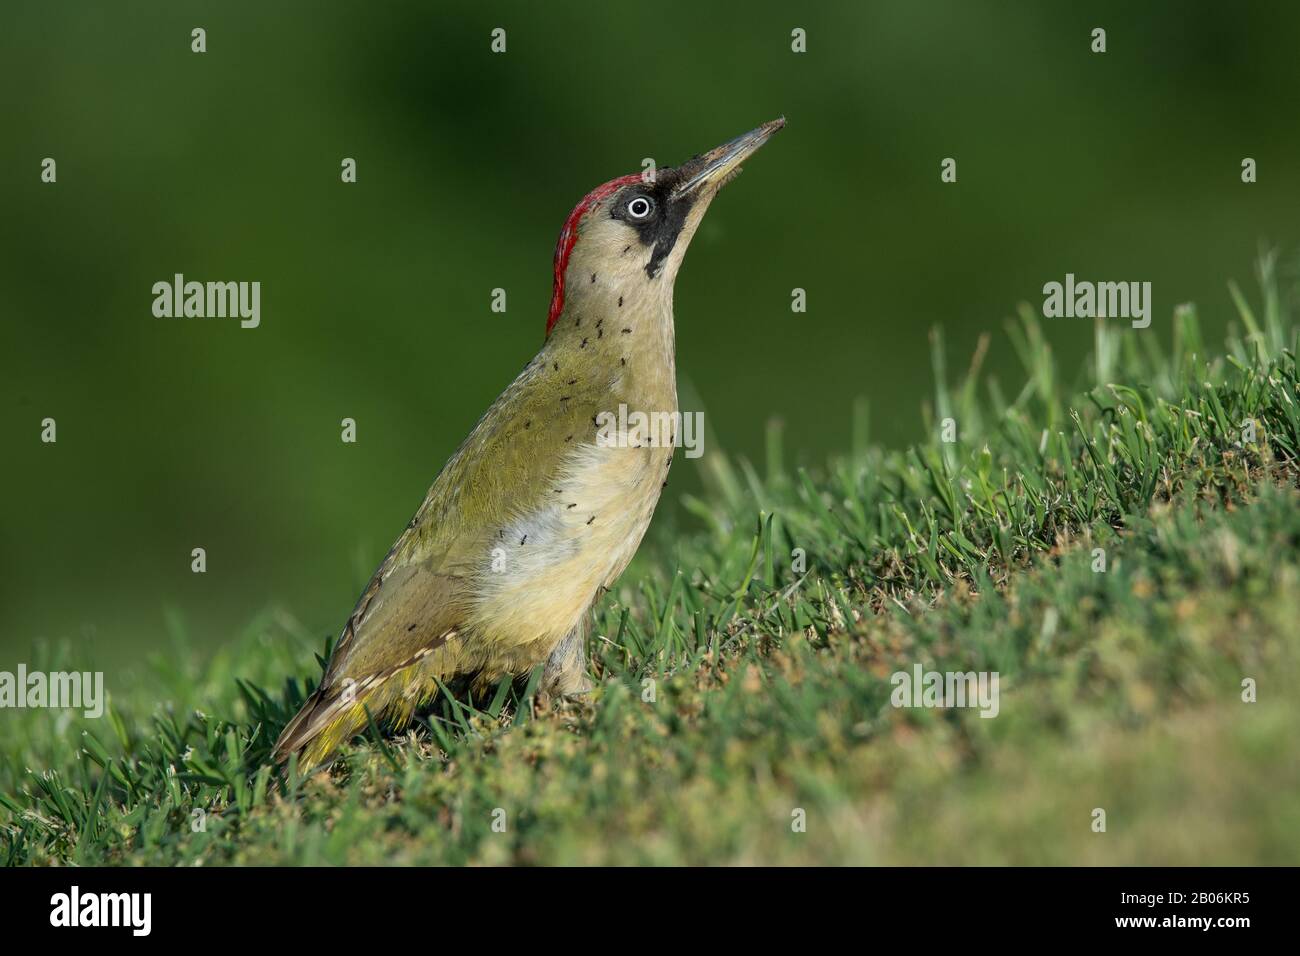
{"type": "Point", "coordinates": [538, 512]}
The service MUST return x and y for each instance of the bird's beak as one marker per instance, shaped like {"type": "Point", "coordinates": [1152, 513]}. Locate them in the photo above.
{"type": "Point", "coordinates": [714, 169]}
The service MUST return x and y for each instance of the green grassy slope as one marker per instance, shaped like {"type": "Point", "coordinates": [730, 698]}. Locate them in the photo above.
{"type": "Point", "coordinates": [744, 680]}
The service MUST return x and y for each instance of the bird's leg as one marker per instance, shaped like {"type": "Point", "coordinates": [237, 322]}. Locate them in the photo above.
{"type": "Point", "coordinates": [566, 668]}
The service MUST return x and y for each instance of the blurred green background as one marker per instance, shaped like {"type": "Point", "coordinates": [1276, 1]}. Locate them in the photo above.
{"type": "Point", "coordinates": [175, 434]}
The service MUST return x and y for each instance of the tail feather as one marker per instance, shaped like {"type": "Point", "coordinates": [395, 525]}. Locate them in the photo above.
{"type": "Point", "coordinates": [305, 726]}
{"type": "Point", "coordinates": [330, 717]}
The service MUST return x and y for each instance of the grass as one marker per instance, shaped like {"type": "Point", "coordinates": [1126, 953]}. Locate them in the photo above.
{"type": "Point", "coordinates": [743, 681]}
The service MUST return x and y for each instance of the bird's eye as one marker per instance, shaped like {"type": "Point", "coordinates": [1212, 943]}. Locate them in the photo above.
{"type": "Point", "coordinates": [639, 207]}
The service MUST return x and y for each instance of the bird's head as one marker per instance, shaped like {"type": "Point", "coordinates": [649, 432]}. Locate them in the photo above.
{"type": "Point", "coordinates": [628, 236]}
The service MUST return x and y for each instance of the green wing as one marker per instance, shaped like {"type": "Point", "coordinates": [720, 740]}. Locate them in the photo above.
{"type": "Point", "coordinates": [417, 599]}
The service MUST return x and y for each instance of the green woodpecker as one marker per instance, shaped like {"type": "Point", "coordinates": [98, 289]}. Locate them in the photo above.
{"type": "Point", "coordinates": [536, 513]}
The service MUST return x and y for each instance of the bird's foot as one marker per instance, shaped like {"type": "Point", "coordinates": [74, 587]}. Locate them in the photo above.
{"type": "Point", "coordinates": [566, 670]}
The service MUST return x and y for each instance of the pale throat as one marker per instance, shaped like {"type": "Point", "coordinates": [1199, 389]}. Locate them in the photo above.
{"type": "Point", "coordinates": [618, 318]}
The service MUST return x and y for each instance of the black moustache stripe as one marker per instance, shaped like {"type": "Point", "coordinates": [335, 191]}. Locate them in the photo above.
{"type": "Point", "coordinates": [660, 230]}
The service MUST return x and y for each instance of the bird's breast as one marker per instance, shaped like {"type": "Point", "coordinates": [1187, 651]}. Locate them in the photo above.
{"type": "Point", "coordinates": [549, 564]}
